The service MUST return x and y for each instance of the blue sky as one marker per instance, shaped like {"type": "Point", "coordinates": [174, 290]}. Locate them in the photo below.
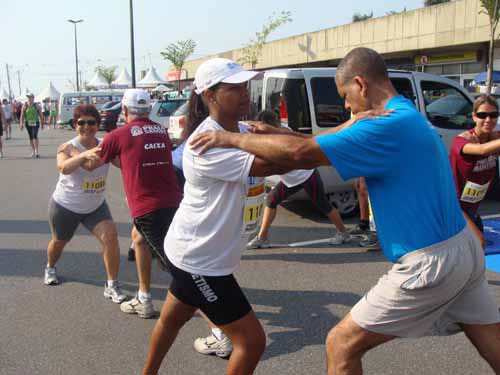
{"type": "Point", "coordinates": [39, 42]}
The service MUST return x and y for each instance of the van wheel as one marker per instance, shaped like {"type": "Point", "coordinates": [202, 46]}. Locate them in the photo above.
{"type": "Point", "coordinates": [346, 202]}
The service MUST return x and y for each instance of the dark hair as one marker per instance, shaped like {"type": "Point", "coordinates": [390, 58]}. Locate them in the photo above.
{"type": "Point", "coordinates": [484, 99]}
{"type": "Point", "coordinates": [197, 111]}
{"type": "Point", "coordinates": [86, 110]}
{"type": "Point", "coordinates": [363, 62]}
{"type": "Point", "coordinates": [269, 117]}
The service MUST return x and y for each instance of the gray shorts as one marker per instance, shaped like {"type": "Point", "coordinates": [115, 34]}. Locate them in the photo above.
{"type": "Point", "coordinates": [429, 291]}
{"type": "Point", "coordinates": [63, 222]}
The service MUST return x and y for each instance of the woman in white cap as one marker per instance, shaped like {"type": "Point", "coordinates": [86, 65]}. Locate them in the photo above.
{"type": "Point", "coordinates": [223, 201]}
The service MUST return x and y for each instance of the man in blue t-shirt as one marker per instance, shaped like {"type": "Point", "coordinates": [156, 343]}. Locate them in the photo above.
{"type": "Point", "coordinates": [437, 284]}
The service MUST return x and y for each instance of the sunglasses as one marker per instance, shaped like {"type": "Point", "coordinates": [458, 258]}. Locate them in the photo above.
{"type": "Point", "coordinates": [88, 122]}
{"type": "Point", "coordinates": [484, 115]}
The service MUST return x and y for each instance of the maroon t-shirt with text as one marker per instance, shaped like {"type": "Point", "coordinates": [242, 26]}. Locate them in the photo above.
{"type": "Point", "coordinates": [474, 168]}
{"type": "Point", "coordinates": [145, 153]}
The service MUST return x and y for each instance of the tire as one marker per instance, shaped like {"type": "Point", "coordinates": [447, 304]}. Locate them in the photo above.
{"type": "Point", "coordinates": [346, 202]}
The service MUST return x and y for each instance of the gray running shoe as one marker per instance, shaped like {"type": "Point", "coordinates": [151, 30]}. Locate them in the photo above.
{"type": "Point", "coordinates": [50, 276]}
{"type": "Point", "coordinates": [211, 345]}
{"type": "Point", "coordinates": [134, 306]}
{"type": "Point", "coordinates": [357, 230]}
{"type": "Point", "coordinates": [259, 243]}
{"type": "Point", "coordinates": [114, 293]}
{"type": "Point", "coordinates": [370, 241]}
{"type": "Point", "coordinates": [340, 238]}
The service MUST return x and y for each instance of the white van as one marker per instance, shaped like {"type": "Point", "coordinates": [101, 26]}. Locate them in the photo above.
{"type": "Point", "coordinates": [70, 100]}
{"type": "Point", "coordinates": [308, 101]}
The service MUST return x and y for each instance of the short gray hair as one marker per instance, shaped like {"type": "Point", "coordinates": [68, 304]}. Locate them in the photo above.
{"type": "Point", "coordinates": [139, 111]}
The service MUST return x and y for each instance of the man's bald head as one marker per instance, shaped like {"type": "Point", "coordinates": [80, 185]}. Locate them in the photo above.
{"type": "Point", "coordinates": [362, 62]}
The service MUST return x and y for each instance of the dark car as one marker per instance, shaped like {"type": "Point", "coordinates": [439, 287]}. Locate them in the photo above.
{"type": "Point", "coordinates": [110, 112]}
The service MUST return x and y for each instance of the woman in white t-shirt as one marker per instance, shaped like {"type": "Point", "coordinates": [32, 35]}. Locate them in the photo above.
{"type": "Point", "coordinates": [222, 204]}
{"type": "Point", "coordinates": [79, 199]}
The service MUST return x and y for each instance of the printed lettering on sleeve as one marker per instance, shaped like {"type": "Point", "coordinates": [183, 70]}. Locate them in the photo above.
{"type": "Point", "coordinates": [474, 193]}
{"type": "Point", "coordinates": [94, 186]}
{"type": "Point", "coordinates": [254, 207]}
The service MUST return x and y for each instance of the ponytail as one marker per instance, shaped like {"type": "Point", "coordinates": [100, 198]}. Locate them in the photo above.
{"type": "Point", "coordinates": [197, 112]}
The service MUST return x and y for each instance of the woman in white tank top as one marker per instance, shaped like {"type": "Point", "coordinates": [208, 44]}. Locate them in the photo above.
{"type": "Point", "coordinates": [79, 198]}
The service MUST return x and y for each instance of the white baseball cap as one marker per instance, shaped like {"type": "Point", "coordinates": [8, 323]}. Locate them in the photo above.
{"type": "Point", "coordinates": [136, 98]}
{"type": "Point", "coordinates": [217, 70]}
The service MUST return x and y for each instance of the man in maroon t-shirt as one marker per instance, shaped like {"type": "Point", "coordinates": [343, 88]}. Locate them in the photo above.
{"type": "Point", "coordinates": [144, 151]}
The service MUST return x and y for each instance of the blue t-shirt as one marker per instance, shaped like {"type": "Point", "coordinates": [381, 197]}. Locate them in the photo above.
{"type": "Point", "coordinates": [408, 177]}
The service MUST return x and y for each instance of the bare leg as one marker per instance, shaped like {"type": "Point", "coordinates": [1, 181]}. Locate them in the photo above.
{"type": "Point", "coordinates": [346, 344]}
{"type": "Point", "coordinates": [249, 342]}
{"type": "Point", "coordinates": [174, 314]}
{"type": "Point", "coordinates": [54, 251]}
{"type": "Point", "coordinates": [267, 219]}
{"type": "Point", "coordinates": [106, 233]}
{"type": "Point", "coordinates": [335, 218]}
{"type": "Point", "coordinates": [32, 144]}
{"type": "Point", "coordinates": [486, 339]}
{"type": "Point", "coordinates": [36, 146]}
{"type": "Point", "coordinates": [360, 186]}
{"type": "Point", "coordinates": [143, 260]}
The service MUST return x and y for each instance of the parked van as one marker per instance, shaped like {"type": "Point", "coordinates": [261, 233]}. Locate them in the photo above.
{"type": "Point", "coordinates": [70, 100]}
{"type": "Point", "coordinates": [307, 101]}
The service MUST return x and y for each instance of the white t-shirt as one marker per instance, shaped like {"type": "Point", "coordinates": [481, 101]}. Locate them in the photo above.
{"type": "Point", "coordinates": [7, 111]}
{"type": "Point", "coordinates": [207, 235]}
{"type": "Point", "coordinates": [81, 191]}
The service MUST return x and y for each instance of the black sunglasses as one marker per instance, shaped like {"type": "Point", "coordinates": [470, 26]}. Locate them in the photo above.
{"type": "Point", "coordinates": [484, 115]}
{"type": "Point", "coordinates": [88, 122]}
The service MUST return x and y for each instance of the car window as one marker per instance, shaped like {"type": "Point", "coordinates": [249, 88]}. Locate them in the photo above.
{"type": "Point", "coordinates": [288, 98]}
{"type": "Point", "coordinates": [110, 104]}
{"type": "Point", "coordinates": [328, 105]}
{"type": "Point", "coordinates": [76, 100]}
{"type": "Point", "coordinates": [100, 99]}
{"type": "Point", "coordinates": [182, 110]}
{"type": "Point", "coordinates": [167, 108]}
{"type": "Point", "coordinates": [446, 106]}
{"type": "Point", "coordinates": [404, 87]}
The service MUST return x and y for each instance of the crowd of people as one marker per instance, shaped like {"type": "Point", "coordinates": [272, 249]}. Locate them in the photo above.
{"type": "Point", "coordinates": [195, 209]}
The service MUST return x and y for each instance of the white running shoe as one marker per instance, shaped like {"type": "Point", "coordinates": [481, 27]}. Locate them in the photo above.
{"type": "Point", "coordinates": [50, 276]}
{"type": "Point", "coordinates": [134, 306]}
{"type": "Point", "coordinates": [114, 293]}
{"type": "Point", "coordinates": [340, 238]}
{"type": "Point", "coordinates": [211, 345]}
{"type": "Point", "coordinates": [259, 243]}
{"type": "Point", "coordinates": [32, 155]}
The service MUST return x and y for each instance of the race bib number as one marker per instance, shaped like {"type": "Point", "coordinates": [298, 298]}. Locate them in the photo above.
{"type": "Point", "coordinates": [254, 207]}
{"type": "Point", "coordinates": [474, 193]}
{"type": "Point", "coordinates": [94, 186]}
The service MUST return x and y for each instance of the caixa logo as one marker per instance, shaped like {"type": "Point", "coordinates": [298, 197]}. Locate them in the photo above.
{"type": "Point", "coordinates": [136, 130]}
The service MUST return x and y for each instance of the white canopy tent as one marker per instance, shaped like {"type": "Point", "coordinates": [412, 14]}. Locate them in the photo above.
{"type": "Point", "coordinates": [97, 81]}
{"type": "Point", "coordinates": [151, 79]}
{"type": "Point", "coordinates": [162, 88]}
{"type": "Point", "coordinates": [49, 92]}
{"type": "Point", "coordinates": [123, 80]}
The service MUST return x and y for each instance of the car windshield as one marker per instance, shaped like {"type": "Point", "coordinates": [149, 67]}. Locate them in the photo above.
{"type": "Point", "coordinates": [450, 105]}
{"type": "Point", "coordinates": [118, 105]}
{"type": "Point", "coordinates": [181, 111]}
{"type": "Point", "coordinates": [167, 108]}
{"type": "Point", "coordinates": [110, 104]}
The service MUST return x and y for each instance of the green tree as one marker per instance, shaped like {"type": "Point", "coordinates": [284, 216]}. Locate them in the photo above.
{"type": "Point", "coordinates": [393, 12]}
{"type": "Point", "coordinates": [358, 17]}
{"type": "Point", "coordinates": [177, 53]}
{"type": "Point", "coordinates": [429, 3]}
{"type": "Point", "coordinates": [253, 49]}
{"type": "Point", "coordinates": [107, 73]}
{"type": "Point", "coordinates": [490, 7]}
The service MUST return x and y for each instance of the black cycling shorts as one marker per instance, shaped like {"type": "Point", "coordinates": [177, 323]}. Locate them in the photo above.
{"type": "Point", "coordinates": [219, 297]}
{"type": "Point", "coordinates": [33, 131]}
{"type": "Point", "coordinates": [153, 226]}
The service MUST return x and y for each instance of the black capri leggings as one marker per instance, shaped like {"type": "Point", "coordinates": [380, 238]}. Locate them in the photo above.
{"type": "Point", "coordinates": [313, 187]}
{"type": "Point", "coordinates": [33, 131]}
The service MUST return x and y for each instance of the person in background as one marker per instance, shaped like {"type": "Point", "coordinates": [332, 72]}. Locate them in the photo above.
{"type": "Point", "coordinates": [290, 183]}
{"type": "Point", "coordinates": [46, 111]}
{"type": "Point", "coordinates": [79, 198]}
{"type": "Point", "coordinates": [53, 113]}
{"type": "Point", "coordinates": [8, 113]}
{"type": "Point", "coordinates": [474, 160]}
{"type": "Point", "coordinates": [2, 122]}
{"type": "Point", "coordinates": [31, 118]}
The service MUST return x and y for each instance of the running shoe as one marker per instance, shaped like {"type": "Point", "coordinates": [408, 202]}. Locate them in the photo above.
{"type": "Point", "coordinates": [114, 293]}
{"type": "Point", "coordinates": [259, 243]}
{"type": "Point", "coordinates": [50, 276]}
{"type": "Point", "coordinates": [36, 155]}
{"type": "Point", "coordinates": [32, 155]}
{"type": "Point", "coordinates": [134, 306]}
{"type": "Point", "coordinates": [370, 241]}
{"type": "Point", "coordinates": [211, 345]}
{"type": "Point", "coordinates": [340, 238]}
{"type": "Point", "coordinates": [1, 155]}
{"type": "Point", "coordinates": [359, 230]}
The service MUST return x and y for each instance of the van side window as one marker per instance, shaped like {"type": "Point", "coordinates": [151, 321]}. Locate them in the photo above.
{"type": "Point", "coordinates": [255, 92]}
{"type": "Point", "coordinates": [328, 105]}
{"type": "Point", "coordinates": [403, 87]}
{"type": "Point", "coordinates": [288, 98]}
{"type": "Point", "coordinates": [76, 100]}
{"type": "Point", "coordinates": [97, 100]}
{"type": "Point", "coordinates": [446, 107]}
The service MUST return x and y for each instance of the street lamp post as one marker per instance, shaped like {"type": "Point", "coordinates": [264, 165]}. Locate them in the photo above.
{"type": "Point", "coordinates": [132, 53]}
{"type": "Point", "coordinates": [74, 22]}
